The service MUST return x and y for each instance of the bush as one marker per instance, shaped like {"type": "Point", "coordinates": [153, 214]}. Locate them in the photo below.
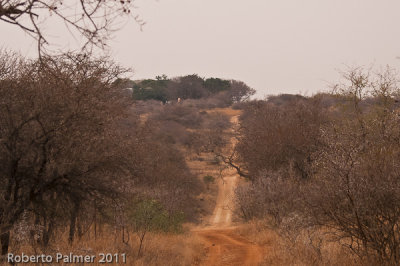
{"type": "Point", "coordinates": [351, 190]}
{"type": "Point", "coordinates": [150, 216]}
{"type": "Point", "coordinates": [208, 179]}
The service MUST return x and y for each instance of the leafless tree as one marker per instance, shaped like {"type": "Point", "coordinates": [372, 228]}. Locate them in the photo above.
{"type": "Point", "coordinates": [59, 146]}
{"type": "Point", "coordinates": [352, 188]}
{"type": "Point", "coordinates": [357, 183]}
{"type": "Point", "coordinates": [94, 20]}
{"type": "Point", "coordinates": [273, 137]}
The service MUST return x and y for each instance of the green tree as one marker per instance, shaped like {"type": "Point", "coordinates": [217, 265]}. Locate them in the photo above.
{"type": "Point", "coordinates": [149, 93]}
{"type": "Point", "coordinates": [215, 85]}
{"type": "Point", "coordinates": [150, 89]}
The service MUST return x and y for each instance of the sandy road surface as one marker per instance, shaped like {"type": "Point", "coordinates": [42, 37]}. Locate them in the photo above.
{"type": "Point", "coordinates": [223, 245]}
{"type": "Point", "coordinates": [222, 215]}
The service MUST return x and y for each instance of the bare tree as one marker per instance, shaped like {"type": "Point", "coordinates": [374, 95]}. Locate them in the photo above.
{"type": "Point", "coordinates": [356, 188]}
{"type": "Point", "coordinates": [352, 188]}
{"type": "Point", "coordinates": [58, 138]}
{"type": "Point", "coordinates": [274, 137]}
{"type": "Point", "coordinates": [94, 20]}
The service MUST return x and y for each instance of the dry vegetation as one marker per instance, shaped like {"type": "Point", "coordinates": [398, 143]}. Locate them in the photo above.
{"type": "Point", "coordinates": [304, 250]}
{"type": "Point", "coordinates": [325, 170]}
{"type": "Point", "coordinates": [86, 167]}
{"type": "Point", "coordinates": [159, 249]}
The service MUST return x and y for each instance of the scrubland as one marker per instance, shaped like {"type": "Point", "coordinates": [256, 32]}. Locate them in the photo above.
{"type": "Point", "coordinates": [190, 171]}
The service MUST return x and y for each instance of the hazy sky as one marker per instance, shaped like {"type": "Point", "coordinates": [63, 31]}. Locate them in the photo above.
{"type": "Point", "coordinates": [275, 46]}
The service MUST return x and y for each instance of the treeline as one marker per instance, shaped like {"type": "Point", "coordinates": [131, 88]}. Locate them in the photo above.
{"type": "Point", "coordinates": [327, 166]}
{"type": "Point", "coordinates": [193, 86]}
{"type": "Point", "coordinates": [80, 157]}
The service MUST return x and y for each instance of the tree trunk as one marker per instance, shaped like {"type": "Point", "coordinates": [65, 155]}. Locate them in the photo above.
{"type": "Point", "coordinates": [95, 220]}
{"type": "Point", "coordinates": [72, 224]}
{"type": "Point", "coordinates": [72, 228]}
{"type": "Point", "coordinates": [47, 234]}
{"type": "Point", "coordinates": [5, 242]}
{"type": "Point", "coordinates": [141, 243]}
{"type": "Point", "coordinates": [79, 226]}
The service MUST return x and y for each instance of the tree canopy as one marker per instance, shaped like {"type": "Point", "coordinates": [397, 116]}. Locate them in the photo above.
{"type": "Point", "coordinates": [192, 86]}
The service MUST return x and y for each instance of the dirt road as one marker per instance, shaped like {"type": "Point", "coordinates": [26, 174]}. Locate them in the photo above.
{"type": "Point", "coordinates": [223, 245]}
{"type": "Point", "coordinates": [222, 215]}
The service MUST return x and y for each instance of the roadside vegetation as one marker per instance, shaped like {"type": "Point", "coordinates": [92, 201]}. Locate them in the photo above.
{"type": "Point", "coordinates": [324, 170]}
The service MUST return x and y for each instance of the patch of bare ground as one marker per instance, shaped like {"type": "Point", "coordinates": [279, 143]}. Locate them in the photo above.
{"type": "Point", "coordinates": [226, 247]}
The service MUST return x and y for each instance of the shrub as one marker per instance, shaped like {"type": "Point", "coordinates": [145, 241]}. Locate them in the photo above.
{"type": "Point", "coordinates": [208, 179]}
{"type": "Point", "coordinates": [150, 216]}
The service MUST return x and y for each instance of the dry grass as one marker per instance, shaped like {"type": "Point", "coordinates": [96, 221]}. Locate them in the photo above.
{"type": "Point", "coordinates": [158, 249]}
{"type": "Point", "coordinates": [226, 111]}
{"type": "Point", "coordinates": [173, 250]}
{"type": "Point", "coordinates": [279, 251]}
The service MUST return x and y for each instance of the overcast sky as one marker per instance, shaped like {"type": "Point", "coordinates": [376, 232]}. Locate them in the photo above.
{"type": "Point", "coordinates": [275, 46]}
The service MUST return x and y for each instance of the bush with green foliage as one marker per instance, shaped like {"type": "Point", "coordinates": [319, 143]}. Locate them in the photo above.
{"type": "Point", "coordinates": [150, 216]}
{"type": "Point", "coordinates": [215, 85]}
{"type": "Point", "coordinates": [150, 89]}
{"type": "Point", "coordinates": [149, 93]}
